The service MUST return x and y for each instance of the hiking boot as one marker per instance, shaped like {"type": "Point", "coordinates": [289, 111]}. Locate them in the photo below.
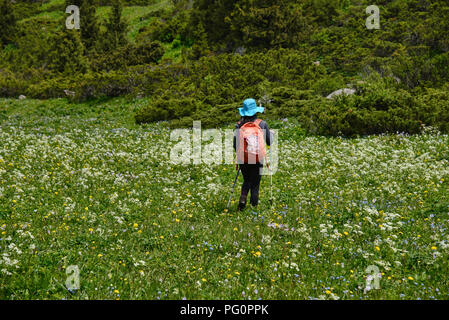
{"type": "Point", "coordinates": [242, 202]}
{"type": "Point", "coordinates": [242, 206]}
{"type": "Point", "coordinates": [254, 204]}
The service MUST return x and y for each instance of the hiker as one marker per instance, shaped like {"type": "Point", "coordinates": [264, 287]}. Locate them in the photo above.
{"type": "Point", "coordinates": [251, 135]}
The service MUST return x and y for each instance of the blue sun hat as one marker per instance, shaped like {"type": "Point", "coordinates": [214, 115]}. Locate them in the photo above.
{"type": "Point", "coordinates": [250, 108]}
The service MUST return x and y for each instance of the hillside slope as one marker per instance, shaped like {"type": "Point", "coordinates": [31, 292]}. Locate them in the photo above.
{"type": "Point", "coordinates": [193, 59]}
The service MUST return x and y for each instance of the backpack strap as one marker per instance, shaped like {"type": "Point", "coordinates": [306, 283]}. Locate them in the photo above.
{"type": "Point", "coordinates": [257, 123]}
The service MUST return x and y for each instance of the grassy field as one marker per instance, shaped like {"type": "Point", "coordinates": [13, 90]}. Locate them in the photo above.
{"type": "Point", "coordinates": [81, 185]}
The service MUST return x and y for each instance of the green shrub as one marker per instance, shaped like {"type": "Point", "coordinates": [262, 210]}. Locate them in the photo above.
{"type": "Point", "coordinates": [435, 108]}
{"type": "Point", "coordinates": [51, 88]}
{"type": "Point", "coordinates": [105, 84]}
{"type": "Point", "coordinates": [375, 109]}
{"type": "Point", "coordinates": [214, 116]}
{"type": "Point", "coordinates": [167, 109]}
{"type": "Point", "coordinates": [10, 85]}
{"type": "Point", "coordinates": [328, 84]}
{"type": "Point", "coordinates": [142, 53]}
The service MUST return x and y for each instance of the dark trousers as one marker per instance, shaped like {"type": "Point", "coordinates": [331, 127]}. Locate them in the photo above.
{"type": "Point", "coordinates": [251, 182]}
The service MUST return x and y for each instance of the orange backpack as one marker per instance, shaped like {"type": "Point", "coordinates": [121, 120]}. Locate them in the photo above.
{"type": "Point", "coordinates": [251, 144]}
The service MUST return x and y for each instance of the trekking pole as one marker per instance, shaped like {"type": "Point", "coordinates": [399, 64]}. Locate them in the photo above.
{"type": "Point", "coordinates": [271, 177]}
{"type": "Point", "coordinates": [233, 188]}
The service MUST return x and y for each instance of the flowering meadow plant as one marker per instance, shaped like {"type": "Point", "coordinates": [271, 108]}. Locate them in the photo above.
{"type": "Point", "coordinates": [84, 186]}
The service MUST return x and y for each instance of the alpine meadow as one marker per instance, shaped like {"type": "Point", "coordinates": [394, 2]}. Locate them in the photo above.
{"type": "Point", "coordinates": [352, 98]}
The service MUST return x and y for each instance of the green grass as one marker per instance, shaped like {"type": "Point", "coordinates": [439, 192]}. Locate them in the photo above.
{"type": "Point", "coordinates": [133, 16]}
{"type": "Point", "coordinates": [81, 184]}
{"type": "Point", "coordinates": [136, 17]}
{"type": "Point", "coordinates": [172, 52]}
{"type": "Point", "coordinates": [52, 4]}
{"type": "Point", "coordinates": [50, 16]}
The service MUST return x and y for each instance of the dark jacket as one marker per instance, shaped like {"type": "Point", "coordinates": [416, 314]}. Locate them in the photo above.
{"type": "Point", "coordinates": [263, 126]}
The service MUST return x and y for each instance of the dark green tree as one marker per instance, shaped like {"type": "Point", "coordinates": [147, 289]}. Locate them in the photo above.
{"type": "Point", "coordinates": [323, 11]}
{"type": "Point", "coordinates": [256, 24]}
{"type": "Point", "coordinates": [68, 54]}
{"type": "Point", "coordinates": [115, 28]}
{"type": "Point", "coordinates": [88, 21]}
{"type": "Point", "coordinates": [212, 15]}
{"type": "Point", "coordinates": [8, 27]}
{"type": "Point", "coordinates": [89, 25]}
{"type": "Point", "coordinates": [268, 24]}
{"type": "Point", "coordinates": [77, 3]}
{"type": "Point", "coordinates": [200, 48]}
